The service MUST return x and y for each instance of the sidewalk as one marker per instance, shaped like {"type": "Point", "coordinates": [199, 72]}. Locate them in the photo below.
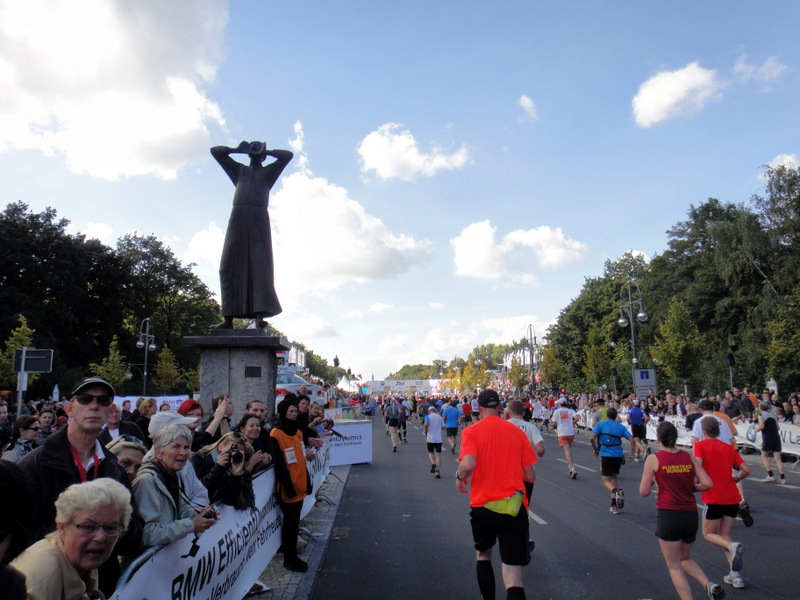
{"type": "Point", "coordinates": [315, 529]}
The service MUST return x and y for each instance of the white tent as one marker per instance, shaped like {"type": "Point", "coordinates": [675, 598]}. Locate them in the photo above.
{"type": "Point", "coordinates": [347, 385]}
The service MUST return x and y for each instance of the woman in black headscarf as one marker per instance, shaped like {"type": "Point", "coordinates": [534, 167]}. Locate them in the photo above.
{"type": "Point", "coordinates": [293, 480]}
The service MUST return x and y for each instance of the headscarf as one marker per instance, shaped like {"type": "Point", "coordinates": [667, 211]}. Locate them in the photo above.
{"type": "Point", "coordinates": [287, 426]}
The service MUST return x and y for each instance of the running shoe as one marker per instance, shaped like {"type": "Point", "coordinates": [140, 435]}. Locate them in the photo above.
{"type": "Point", "coordinates": [768, 479]}
{"type": "Point", "coordinates": [736, 549]}
{"type": "Point", "coordinates": [715, 591]}
{"type": "Point", "coordinates": [734, 579]}
{"type": "Point", "coordinates": [782, 481]}
{"type": "Point", "coordinates": [648, 451]}
{"type": "Point", "coordinates": [395, 448]}
{"type": "Point", "coordinates": [438, 476]}
{"type": "Point", "coordinates": [744, 514]}
{"type": "Point", "coordinates": [573, 474]}
{"type": "Point", "coordinates": [433, 468]}
{"type": "Point", "coordinates": [619, 496]}
{"type": "Point", "coordinates": [614, 510]}
{"type": "Point", "coordinates": [452, 450]}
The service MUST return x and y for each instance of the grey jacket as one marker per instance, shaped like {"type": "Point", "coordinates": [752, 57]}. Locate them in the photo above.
{"type": "Point", "coordinates": [164, 522]}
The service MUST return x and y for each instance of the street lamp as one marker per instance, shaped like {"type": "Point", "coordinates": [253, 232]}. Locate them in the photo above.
{"type": "Point", "coordinates": [533, 348]}
{"type": "Point", "coordinates": [146, 342]}
{"type": "Point", "coordinates": [627, 317]}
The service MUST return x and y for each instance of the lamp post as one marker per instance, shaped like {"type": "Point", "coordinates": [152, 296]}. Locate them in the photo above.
{"type": "Point", "coordinates": [627, 317]}
{"type": "Point", "coordinates": [146, 342]}
{"type": "Point", "coordinates": [533, 347]}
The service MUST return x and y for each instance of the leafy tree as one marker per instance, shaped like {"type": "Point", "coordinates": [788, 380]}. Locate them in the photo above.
{"type": "Point", "coordinates": [21, 337]}
{"type": "Point", "coordinates": [680, 347]}
{"type": "Point", "coordinates": [598, 354]}
{"type": "Point", "coordinates": [518, 375]}
{"type": "Point", "coordinates": [71, 289]}
{"type": "Point", "coordinates": [113, 368]}
{"type": "Point", "coordinates": [551, 368]}
{"type": "Point", "coordinates": [784, 346]}
{"type": "Point", "coordinates": [167, 375]}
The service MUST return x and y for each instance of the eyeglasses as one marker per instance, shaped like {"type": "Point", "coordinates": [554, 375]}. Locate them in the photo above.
{"type": "Point", "coordinates": [104, 400]}
{"type": "Point", "coordinates": [90, 528]}
{"type": "Point", "coordinates": [33, 428]}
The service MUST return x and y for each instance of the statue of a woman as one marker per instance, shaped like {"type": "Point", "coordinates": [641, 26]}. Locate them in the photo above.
{"type": "Point", "coordinates": [246, 273]}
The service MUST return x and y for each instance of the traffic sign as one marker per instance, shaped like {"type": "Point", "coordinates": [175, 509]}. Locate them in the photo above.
{"type": "Point", "coordinates": [36, 361]}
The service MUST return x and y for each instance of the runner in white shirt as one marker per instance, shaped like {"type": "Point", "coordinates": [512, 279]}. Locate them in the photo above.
{"type": "Point", "coordinates": [563, 419]}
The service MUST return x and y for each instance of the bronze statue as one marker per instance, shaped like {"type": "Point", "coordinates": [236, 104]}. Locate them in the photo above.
{"type": "Point", "coordinates": [246, 273]}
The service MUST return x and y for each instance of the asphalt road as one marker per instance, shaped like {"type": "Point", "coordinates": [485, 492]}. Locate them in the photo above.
{"type": "Point", "coordinates": [401, 533]}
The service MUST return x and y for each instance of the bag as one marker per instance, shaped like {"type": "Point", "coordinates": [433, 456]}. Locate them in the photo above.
{"type": "Point", "coordinates": [506, 506]}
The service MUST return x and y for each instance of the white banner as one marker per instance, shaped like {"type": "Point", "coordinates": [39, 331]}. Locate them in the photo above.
{"type": "Point", "coordinates": [745, 433]}
{"type": "Point", "coordinates": [355, 444]}
{"type": "Point", "coordinates": [228, 558]}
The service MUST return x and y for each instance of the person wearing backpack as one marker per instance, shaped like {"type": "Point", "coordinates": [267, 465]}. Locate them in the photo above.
{"type": "Point", "coordinates": [606, 440]}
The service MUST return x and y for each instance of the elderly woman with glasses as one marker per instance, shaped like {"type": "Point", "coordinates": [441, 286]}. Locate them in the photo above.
{"type": "Point", "coordinates": [167, 511]}
{"type": "Point", "coordinates": [89, 520]}
{"type": "Point", "coordinates": [224, 467]}
{"type": "Point", "coordinates": [24, 438]}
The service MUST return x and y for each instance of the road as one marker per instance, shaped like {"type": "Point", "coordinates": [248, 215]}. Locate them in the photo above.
{"type": "Point", "coordinates": [401, 533]}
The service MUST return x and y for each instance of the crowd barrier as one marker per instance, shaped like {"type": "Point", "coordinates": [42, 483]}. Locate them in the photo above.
{"type": "Point", "coordinates": [228, 558]}
{"type": "Point", "coordinates": [745, 432]}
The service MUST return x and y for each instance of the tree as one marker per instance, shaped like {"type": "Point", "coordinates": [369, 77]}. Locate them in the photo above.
{"type": "Point", "coordinates": [113, 368]}
{"type": "Point", "coordinates": [680, 347]}
{"type": "Point", "coordinates": [21, 337]}
{"type": "Point", "coordinates": [598, 354]}
{"type": "Point", "coordinates": [70, 289]}
{"type": "Point", "coordinates": [518, 375]}
{"type": "Point", "coordinates": [551, 368]}
{"type": "Point", "coordinates": [167, 375]}
{"type": "Point", "coordinates": [784, 346]}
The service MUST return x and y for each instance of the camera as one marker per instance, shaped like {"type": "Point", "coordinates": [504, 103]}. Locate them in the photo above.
{"type": "Point", "coordinates": [235, 455]}
{"type": "Point", "coordinates": [211, 514]}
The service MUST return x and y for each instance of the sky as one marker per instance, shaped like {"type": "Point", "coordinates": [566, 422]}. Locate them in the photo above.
{"type": "Point", "coordinates": [459, 167]}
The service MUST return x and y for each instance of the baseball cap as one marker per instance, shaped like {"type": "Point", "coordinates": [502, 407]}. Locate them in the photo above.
{"type": "Point", "coordinates": [90, 381]}
{"type": "Point", "coordinates": [636, 402]}
{"type": "Point", "coordinates": [488, 399]}
{"type": "Point", "coordinates": [562, 400]}
{"type": "Point", "coordinates": [160, 419]}
{"type": "Point", "coordinates": [431, 409]}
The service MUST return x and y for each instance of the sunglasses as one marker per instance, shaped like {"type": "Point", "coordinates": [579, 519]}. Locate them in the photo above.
{"type": "Point", "coordinates": [33, 428]}
{"type": "Point", "coordinates": [87, 399]}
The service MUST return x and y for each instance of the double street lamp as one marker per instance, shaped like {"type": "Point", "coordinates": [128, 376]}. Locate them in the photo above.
{"type": "Point", "coordinates": [627, 316]}
{"type": "Point", "coordinates": [146, 342]}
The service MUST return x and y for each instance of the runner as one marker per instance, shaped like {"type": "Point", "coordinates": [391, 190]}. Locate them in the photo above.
{"type": "Point", "coordinates": [638, 419]}
{"type": "Point", "coordinates": [722, 501]}
{"type": "Point", "coordinates": [451, 416]}
{"type": "Point", "coordinates": [606, 440]}
{"type": "Point", "coordinates": [432, 429]}
{"type": "Point", "coordinates": [563, 420]}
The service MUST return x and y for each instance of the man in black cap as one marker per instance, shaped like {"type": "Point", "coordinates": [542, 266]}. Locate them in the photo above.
{"type": "Point", "coordinates": [72, 455]}
{"type": "Point", "coordinates": [498, 457]}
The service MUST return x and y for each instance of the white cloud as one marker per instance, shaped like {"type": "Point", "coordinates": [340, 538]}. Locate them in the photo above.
{"type": "Point", "coordinates": [435, 305]}
{"type": "Point", "coordinates": [379, 307]}
{"type": "Point", "coordinates": [394, 154]}
{"type": "Point", "coordinates": [529, 108]}
{"type": "Point", "coordinates": [99, 231]}
{"type": "Point", "coordinates": [478, 255]}
{"type": "Point", "coordinates": [205, 249]}
{"type": "Point", "coordinates": [671, 94]}
{"type": "Point", "coordinates": [323, 239]}
{"type": "Point", "coordinates": [396, 344]}
{"type": "Point", "coordinates": [81, 80]}
{"type": "Point", "coordinates": [770, 70]}
{"type": "Point", "coordinates": [789, 160]}
{"type": "Point", "coordinates": [303, 326]}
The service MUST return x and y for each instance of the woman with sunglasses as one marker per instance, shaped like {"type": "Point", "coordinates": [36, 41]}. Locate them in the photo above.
{"type": "Point", "coordinates": [224, 467]}
{"type": "Point", "coordinates": [24, 438]}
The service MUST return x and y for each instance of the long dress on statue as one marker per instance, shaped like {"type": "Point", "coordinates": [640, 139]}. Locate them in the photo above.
{"type": "Point", "coordinates": [246, 271]}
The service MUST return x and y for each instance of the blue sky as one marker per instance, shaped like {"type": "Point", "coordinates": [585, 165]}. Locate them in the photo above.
{"type": "Point", "coordinates": [460, 167]}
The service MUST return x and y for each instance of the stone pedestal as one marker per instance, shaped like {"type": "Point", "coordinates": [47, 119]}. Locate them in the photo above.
{"type": "Point", "coordinates": [239, 363]}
